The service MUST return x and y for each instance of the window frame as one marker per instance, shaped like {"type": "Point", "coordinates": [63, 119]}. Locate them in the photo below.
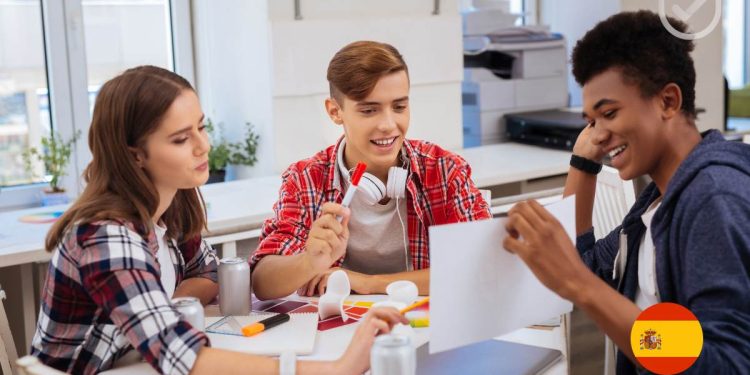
{"type": "Point", "coordinates": [67, 82]}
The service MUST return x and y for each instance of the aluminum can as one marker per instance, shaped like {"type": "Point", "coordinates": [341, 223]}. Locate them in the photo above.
{"type": "Point", "coordinates": [192, 310]}
{"type": "Point", "coordinates": [234, 287]}
{"type": "Point", "coordinates": [393, 355]}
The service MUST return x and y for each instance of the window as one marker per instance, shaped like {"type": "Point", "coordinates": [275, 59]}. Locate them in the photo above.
{"type": "Point", "coordinates": [55, 56]}
{"type": "Point", "coordinates": [737, 63]}
{"type": "Point", "coordinates": [24, 101]}
{"type": "Point", "coordinates": [121, 34]}
{"type": "Point", "coordinates": [735, 42]}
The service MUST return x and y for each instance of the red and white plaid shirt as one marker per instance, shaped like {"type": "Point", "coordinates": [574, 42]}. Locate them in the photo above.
{"type": "Point", "coordinates": [103, 297]}
{"type": "Point", "coordinates": [439, 191]}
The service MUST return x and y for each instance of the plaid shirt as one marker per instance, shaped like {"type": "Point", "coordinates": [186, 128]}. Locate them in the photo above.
{"type": "Point", "coordinates": [439, 191]}
{"type": "Point", "coordinates": [103, 296]}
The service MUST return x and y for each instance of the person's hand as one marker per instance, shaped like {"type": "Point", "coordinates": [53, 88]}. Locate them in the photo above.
{"type": "Point", "coordinates": [327, 240]}
{"type": "Point", "coordinates": [359, 282]}
{"type": "Point", "coordinates": [356, 359]}
{"type": "Point", "coordinates": [542, 243]}
{"type": "Point", "coordinates": [585, 146]}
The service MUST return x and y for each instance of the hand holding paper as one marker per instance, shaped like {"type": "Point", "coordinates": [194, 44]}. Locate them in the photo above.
{"type": "Point", "coordinates": [490, 291]}
{"type": "Point", "coordinates": [543, 244]}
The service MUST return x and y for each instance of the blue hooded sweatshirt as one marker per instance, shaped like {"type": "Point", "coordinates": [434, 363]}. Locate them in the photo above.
{"type": "Point", "coordinates": [701, 233]}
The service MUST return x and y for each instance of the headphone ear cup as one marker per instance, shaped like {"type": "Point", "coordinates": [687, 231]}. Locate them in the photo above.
{"type": "Point", "coordinates": [372, 189]}
{"type": "Point", "coordinates": [397, 182]}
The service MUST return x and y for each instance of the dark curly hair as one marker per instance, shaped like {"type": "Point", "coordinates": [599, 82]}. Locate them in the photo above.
{"type": "Point", "coordinates": [639, 44]}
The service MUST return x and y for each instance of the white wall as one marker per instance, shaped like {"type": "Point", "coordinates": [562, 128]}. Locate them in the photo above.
{"type": "Point", "coordinates": [567, 17]}
{"type": "Point", "coordinates": [709, 86]}
{"type": "Point", "coordinates": [255, 62]}
{"type": "Point", "coordinates": [431, 46]}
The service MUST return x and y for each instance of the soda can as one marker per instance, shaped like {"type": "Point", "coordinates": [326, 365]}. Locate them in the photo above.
{"type": "Point", "coordinates": [234, 287]}
{"type": "Point", "coordinates": [393, 355]}
{"type": "Point", "coordinates": [192, 310]}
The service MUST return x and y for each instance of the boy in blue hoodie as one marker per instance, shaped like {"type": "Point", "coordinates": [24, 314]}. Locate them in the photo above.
{"type": "Point", "coordinates": [687, 238]}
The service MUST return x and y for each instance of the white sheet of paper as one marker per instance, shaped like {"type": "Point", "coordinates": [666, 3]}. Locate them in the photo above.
{"type": "Point", "coordinates": [478, 290]}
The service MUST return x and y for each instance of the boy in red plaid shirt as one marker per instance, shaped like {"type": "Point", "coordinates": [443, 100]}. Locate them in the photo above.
{"type": "Point", "coordinates": [411, 185]}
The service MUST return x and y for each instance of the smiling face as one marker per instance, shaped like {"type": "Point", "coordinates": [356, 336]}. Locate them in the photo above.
{"type": "Point", "coordinates": [176, 154]}
{"type": "Point", "coordinates": [627, 126]}
{"type": "Point", "coordinates": [375, 126]}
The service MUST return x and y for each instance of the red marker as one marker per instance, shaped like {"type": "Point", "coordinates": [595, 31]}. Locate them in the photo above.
{"type": "Point", "coordinates": [356, 176]}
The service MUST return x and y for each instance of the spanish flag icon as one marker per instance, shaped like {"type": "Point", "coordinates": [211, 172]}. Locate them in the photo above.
{"type": "Point", "coordinates": [666, 338]}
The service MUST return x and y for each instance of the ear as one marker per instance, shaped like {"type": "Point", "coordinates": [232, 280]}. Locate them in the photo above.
{"type": "Point", "coordinates": [137, 155]}
{"type": "Point", "coordinates": [670, 101]}
{"type": "Point", "coordinates": [334, 111]}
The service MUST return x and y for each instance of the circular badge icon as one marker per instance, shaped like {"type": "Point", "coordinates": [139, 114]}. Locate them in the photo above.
{"type": "Point", "coordinates": [685, 14]}
{"type": "Point", "coordinates": [666, 338]}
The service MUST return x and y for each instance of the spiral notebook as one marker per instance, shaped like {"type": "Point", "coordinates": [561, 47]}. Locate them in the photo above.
{"type": "Point", "coordinates": [297, 335]}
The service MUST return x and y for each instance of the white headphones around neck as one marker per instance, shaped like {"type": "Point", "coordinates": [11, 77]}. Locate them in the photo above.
{"type": "Point", "coordinates": [373, 190]}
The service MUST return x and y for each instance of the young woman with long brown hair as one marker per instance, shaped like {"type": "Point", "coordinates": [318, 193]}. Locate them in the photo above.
{"type": "Point", "coordinates": [132, 241]}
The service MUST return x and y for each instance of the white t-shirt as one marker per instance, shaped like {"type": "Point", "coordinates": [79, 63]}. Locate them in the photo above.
{"type": "Point", "coordinates": [164, 256]}
{"type": "Point", "coordinates": [376, 235]}
{"type": "Point", "coordinates": [647, 293]}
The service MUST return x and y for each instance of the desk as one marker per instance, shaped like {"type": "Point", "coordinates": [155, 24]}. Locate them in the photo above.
{"type": "Point", "coordinates": [510, 162]}
{"type": "Point", "coordinates": [331, 344]}
{"type": "Point", "coordinates": [236, 209]}
{"type": "Point", "coordinates": [243, 205]}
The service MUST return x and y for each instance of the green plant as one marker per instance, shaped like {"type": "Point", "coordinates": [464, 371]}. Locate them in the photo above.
{"type": "Point", "coordinates": [220, 153]}
{"type": "Point", "coordinates": [244, 153]}
{"type": "Point", "coordinates": [55, 155]}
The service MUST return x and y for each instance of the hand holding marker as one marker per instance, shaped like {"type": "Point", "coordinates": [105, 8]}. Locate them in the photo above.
{"type": "Point", "coordinates": [356, 176]}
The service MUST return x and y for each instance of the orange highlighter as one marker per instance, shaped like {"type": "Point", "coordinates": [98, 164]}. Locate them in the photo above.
{"type": "Point", "coordinates": [258, 327]}
{"type": "Point", "coordinates": [414, 305]}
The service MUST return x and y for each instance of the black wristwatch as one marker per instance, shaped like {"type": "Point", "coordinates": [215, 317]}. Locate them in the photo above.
{"type": "Point", "coordinates": [585, 165]}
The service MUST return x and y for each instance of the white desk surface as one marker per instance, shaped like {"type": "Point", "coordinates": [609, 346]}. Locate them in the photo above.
{"type": "Point", "coordinates": [510, 162]}
{"type": "Point", "coordinates": [230, 205]}
{"type": "Point", "coordinates": [244, 204]}
{"type": "Point", "coordinates": [331, 344]}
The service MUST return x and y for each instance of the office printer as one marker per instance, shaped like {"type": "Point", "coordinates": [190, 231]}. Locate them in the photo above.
{"type": "Point", "coordinates": [557, 128]}
{"type": "Point", "coordinates": [515, 69]}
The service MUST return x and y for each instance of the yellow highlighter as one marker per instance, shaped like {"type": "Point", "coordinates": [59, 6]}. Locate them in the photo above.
{"type": "Point", "coordinates": [420, 322]}
{"type": "Point", "coordinates": [258, 327]}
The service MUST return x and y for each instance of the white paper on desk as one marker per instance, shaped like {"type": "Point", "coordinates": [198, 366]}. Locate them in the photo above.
{"type": "Point", "coordinates": [297, 335]}
{"type": "Point", "coordinates": [479, 290]}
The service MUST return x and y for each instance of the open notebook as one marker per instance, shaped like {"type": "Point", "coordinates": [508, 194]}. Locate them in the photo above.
{"type": "Point", "coordinates": [297, 335]}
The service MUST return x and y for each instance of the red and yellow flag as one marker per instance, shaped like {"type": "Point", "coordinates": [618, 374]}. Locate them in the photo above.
{"type": "Point", "coordinates": [666, 338]}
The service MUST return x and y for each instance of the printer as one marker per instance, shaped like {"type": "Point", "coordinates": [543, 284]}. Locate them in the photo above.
{"type": "Point", "coordinates": [555, 128]}
{"type": "Point", "coordinates": [508, 70]}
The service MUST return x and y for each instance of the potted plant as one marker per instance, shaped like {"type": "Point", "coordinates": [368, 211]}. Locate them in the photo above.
{"type": "Point", "coordinates": [244, 154]}
{"type": "Point", "coordinates": [55, 155]}
{"type": "Point", "coordinates": [220, 153]}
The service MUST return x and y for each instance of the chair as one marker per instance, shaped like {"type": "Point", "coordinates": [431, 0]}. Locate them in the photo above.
{"type": "Point", "coordinates": [8, 354]}
{"type": "Point", "coordinates": [614, 197]}
{"type": "Point", "coordinates": [613, 200]}
{"type": "Point", "coordinates": [746, 138]}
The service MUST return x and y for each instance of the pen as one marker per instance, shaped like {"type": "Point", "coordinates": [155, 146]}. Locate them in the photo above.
{"type": "Point", "coordinates": [414, 305]}
{"type": "Point", "coordinates": [268, 323]}
{"type": "Point", "coordinates": [356, 176]}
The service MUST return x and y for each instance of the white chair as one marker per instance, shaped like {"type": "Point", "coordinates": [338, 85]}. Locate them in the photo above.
{"type": "Point", "coordinates": [8, 354]}
{"type": "Point", "coordinates": [614, 197]}
{"type": "Point", "coordinates": [746, 138]}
